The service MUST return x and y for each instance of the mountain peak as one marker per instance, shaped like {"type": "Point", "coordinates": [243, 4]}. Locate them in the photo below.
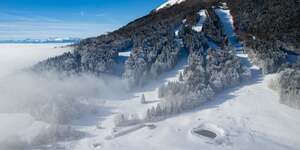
{"type": "Point", "coordinates": [169, 3]}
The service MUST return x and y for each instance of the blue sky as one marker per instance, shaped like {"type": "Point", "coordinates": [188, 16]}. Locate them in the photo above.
{"type": "Point", "coordinates": [20, 19]}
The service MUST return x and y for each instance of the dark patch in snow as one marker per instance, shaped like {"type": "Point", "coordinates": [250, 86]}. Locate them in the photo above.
{"type": "Point", "coordinates": [206, 133]}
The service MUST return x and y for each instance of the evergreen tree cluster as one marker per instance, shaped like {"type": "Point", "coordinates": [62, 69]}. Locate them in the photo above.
{"type": "Point", "coordinates": [126, 119]}
{"type": "Point", "coordinates": [207, 73]}
{"type": "Point", "coordinates": [289, 87]}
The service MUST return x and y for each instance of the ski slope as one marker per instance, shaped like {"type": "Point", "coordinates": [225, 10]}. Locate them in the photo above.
{"type": "Point", "coordinates": [227, 21]}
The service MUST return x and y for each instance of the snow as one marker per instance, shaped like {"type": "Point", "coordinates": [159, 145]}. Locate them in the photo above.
{"type": "Point", "coordinates": [13, 124]}
{"type": "Point", "coordinates": [212, 44]}
{"type": "Point", "coordinates": [246, 117]}
{"type": "Point", "coordinates": [125, 54]}
{"type": "Point", "coordinates": [177, 32]}
{"type": "Point", "coordinates": [169, 3]}
{"type": "Point", "coordinates": [199, 25]}
{"type": "Point", "coordinates": [292, 57]}
{"type": "Point", "coordinates": [124, 132]}
{"type": "Point", "coordinates": [227, 21]}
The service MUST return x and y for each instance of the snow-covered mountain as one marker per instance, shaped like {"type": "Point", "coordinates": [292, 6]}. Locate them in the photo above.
{"type": "Point", "coordinates": [157, 41]}
{"type": "Point", "coordinates": [200, 74]}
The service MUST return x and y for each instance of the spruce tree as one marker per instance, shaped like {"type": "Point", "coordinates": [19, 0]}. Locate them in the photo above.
{"type": "Point", "coordinates": [143, 100]}
{"type": "Point", "coordinates": [180, 77]}
{"type": "Point", "coordinates": [148, 115]}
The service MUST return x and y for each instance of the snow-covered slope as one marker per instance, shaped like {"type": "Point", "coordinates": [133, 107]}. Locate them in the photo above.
{"type": "Point", "coordinates": [246, 117]}
{"type": "Point", "coordinates": [227, 21]}
{"type": "Point", "coordinates": [249, 116]}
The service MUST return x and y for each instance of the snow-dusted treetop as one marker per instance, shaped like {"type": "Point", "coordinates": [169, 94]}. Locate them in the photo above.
{"type": "Point", "coordinates": [169, 3]}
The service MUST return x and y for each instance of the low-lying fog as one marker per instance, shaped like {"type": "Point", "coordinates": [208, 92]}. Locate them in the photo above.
{"type": "Point", "coordinates": [34, 107]}
{"type": "Point", "coordinates": [18, 56]}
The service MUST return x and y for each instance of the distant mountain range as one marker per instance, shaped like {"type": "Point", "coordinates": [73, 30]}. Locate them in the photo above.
{"type": "Point", "coordinates": [48, 40]}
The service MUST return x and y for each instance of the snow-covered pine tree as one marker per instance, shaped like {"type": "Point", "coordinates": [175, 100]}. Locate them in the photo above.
{"type": "Point", "coordinates": [163, 109]}
{"type": "Point", "coordinates": [99, 125]}
{"type": "Point", "coordinates": [158, 110]}
{"type": "Point", "coordinates": [168, 107]}
{"type": "Point", "coordinates": [153, 113]}
{"type": "Point", "coordinates": [119, 119]}
{"type": "Point", "coordinates": [180, 77]}
{"type": "Point", "coordinates": [161, 91]}
{"type": "Point", "coordinates": [148, 115]}
{"type": "Point", "coordinates": [143, 99]}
